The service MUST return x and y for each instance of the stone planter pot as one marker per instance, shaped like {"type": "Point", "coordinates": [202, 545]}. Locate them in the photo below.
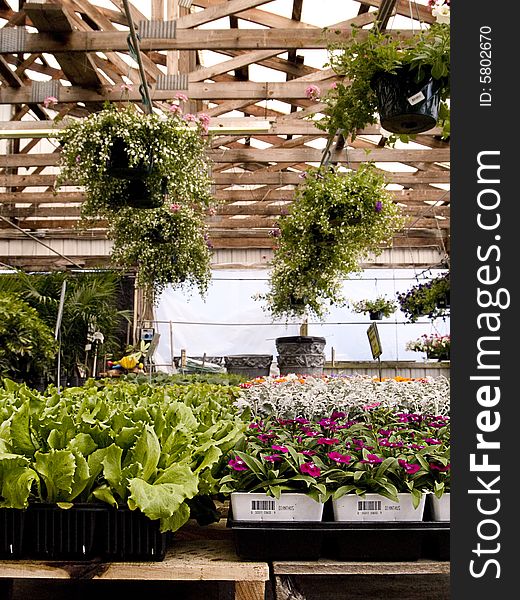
{"type": "Point", "coordinates": [249, 365]}
{"type": "Point", "coordinates": [250, 506]}
{"type": "Point", "coordinates": [373, 507]}
{"type": "Point", "coordinates": [301, 354]}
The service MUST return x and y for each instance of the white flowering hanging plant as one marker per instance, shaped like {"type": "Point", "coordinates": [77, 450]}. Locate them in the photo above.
{"type": "Point", "coordinates": [337, 218]}
{"type": "Point", "coordinates": [167, 243]}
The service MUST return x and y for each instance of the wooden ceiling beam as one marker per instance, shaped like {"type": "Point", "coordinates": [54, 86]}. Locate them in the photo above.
{"type": "Point", "coordinates": [194, 39]}
{"type": "Point", "coordinates": [247, 90]}
{"type": "Point", "coordinates": [56, 21]}
{"type": "Point", "coordinates": [260, 177]}
{"type": "Point", "coordinates": [280, 155]}
{"type": "Point", "coordinates": [263, 193]}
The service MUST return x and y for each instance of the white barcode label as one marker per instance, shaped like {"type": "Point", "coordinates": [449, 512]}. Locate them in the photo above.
{"type": "Point", "coordinates": [416, 98]}
{"type": "Point", "coordinates": [364, 505]}
{"type": "Point", "coordinates": [263, 505]}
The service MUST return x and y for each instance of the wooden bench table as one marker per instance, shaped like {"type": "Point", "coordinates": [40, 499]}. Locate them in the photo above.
{"type": "Point", "coordinates": [290, 576]}
{"type": "Point", "coordinates": [186, 560]}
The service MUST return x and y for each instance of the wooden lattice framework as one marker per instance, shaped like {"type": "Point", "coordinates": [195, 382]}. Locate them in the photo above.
{"type": "Point", "coordinates": [78, 51]}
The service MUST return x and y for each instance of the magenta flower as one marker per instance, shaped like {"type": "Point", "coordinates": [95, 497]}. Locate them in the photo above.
{"type": "Point", "coordinates": [337, 415]}
{"type": "Point", "coordinates": [309, 468]}
{"type": "Point", "coordinates": [254, 425]}
{"type": "Point", "coordinates": [327, 441]}
{"type": "Point", "coordinates": [435, 467]}
{"type": "Point", "coordinates": [264, 437]}
{"type": "Point", "coordinates": [273, 458]}
{"type": "Point", "coordinates": [301, 421]}
{"type": "Point", "coordinates": [328, 423]}
{"type": "Point", "coordinates": [308, 452]}
{"type": "Point", "coordinates": [339, 458]}
{"type": "Point", "coordinates": [280, 448]}
{"type": "Point", "coordinates": [238, 464]}
{"type": "Point", "coordinates": [310, 433]}
{"type": "Point", "coordinates": [372, 459]}
{"type": "Point", "coordinates": [432, 441]}
{"type": "Point", "coordinates": [385, 432]}
{"type": "Point", "coordinates": [410, 468]}
{"type": "Point", "coordinates": [416, 446]}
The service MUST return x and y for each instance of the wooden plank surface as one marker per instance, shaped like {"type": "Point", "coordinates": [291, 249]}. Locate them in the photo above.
{"type": "Point", "coordinates": [197, 39]}
{"type": "Point", "coordinates": [190, 560]}
{"type": "Point", "coordinates": [331, 567]}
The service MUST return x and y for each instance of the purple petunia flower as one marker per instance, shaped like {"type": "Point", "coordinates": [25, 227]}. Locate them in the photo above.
{"type": "Point", "coordinates": [238, 464]}
{"type": "Point", "coordinates": [410, 468]}
{"type": "Point", "coordinates": [337, 415]}
{"type": "Point", "coordinates": [379, 206]}
{"type": "Point", "coordinates": [327, 441]}
{"type": "Point", "coordinates": [432, 441]}
{"type": "Point", "coordinates": [283, 449]}
{"type": "Point", "coordinates": [435, 467]}
{"type": "Point", "coordinates": [372, 459]}
{"type": "Point", "coordinates": [339, 458]}
{"type": "Point", "coordinates": [309, 468]}
{"type": "Point", "coordinates": [273, 458]}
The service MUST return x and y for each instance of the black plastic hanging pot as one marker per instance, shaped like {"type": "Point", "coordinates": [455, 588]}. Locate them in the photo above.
{"type": "Point", "coordinates": [376, 315]}
{"type": "Point", "coordinates": [141, 193]}
{"type": "Point", "coordinates": [118, 165]}
{"type": "Point", "coordinates": [406, 105]}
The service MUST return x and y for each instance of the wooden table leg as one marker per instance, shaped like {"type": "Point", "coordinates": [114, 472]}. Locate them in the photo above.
{"type": "Point", "coordinates": [249, 590]}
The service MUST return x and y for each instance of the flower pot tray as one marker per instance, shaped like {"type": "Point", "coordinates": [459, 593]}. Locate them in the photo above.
{"type": "Point", "coordinates": [343, 541]}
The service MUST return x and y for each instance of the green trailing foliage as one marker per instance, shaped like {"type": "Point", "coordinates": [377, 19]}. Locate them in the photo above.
{"type": "Point", "coordinates": [27, 345]}
{"type": "Point", "coordinates": [335, 221]}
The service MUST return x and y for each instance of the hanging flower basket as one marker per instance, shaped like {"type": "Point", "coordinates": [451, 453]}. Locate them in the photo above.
{"type": "Point", "coordinates": [406, 105]}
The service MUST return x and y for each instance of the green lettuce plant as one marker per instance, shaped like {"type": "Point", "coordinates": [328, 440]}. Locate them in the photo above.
{"type": "Point", "coordinates": [153, 449]}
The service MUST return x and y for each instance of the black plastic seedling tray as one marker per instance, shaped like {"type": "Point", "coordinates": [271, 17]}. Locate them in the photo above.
{"type": "Point", "coordinates": [55, 533]}
{"type": "Point", "coordinates": [12, 522]}
{"type": "Point", "coordinates": [345, 541]}
{"type": "Point", "coordinates": [129, 535]}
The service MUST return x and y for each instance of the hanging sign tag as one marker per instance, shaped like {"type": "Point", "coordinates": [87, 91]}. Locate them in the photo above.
{"type": "Point", "coordinates": [375, 342]}
{"type": "Point", "coordinates": [416, 98]}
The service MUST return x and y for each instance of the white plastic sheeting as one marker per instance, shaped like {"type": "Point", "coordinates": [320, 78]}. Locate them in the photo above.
{"type": "Point", "coordinates": [230, 321]}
